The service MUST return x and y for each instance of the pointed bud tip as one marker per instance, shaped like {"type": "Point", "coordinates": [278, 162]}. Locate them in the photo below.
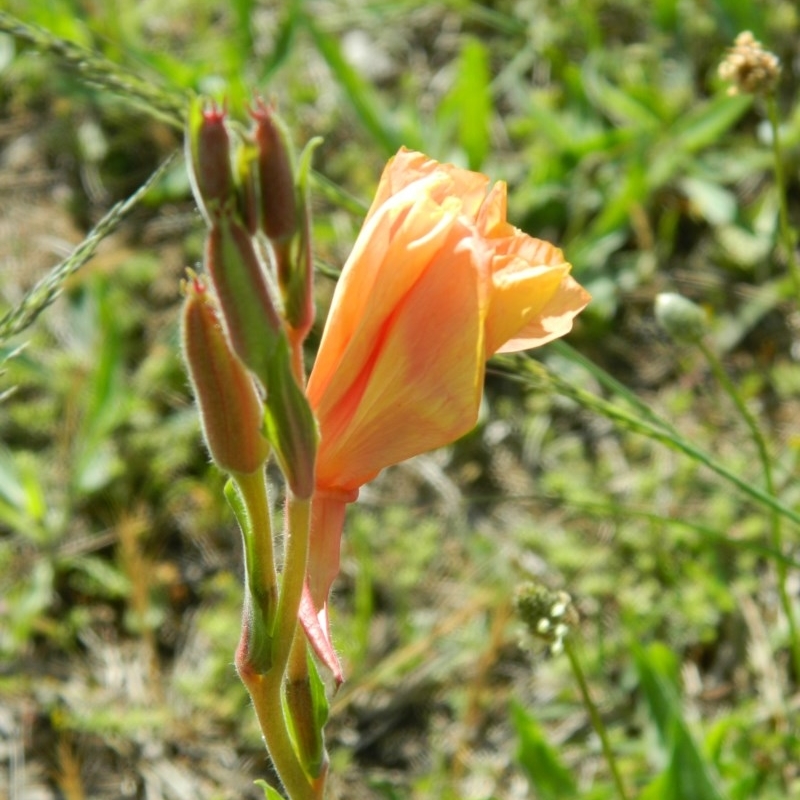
{"type": "Point", "coordinates": [214, 113]}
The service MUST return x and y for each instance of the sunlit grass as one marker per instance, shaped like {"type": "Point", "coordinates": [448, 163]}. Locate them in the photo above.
{"type": "Point", "coordinates": [617, 469]}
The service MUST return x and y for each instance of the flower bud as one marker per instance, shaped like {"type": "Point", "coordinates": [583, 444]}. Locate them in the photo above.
{"type": "Point", "coordinates": [298, 265]}
{"type": "Point", "coordinates": [275, 175]}
{"type": "Point", "coordinates": [289, 424]}
{"type": "Point", "coordinates": [249, 314]}
{"type": "Point", "coordinates": [231, 411]}
{"type": "Point", "coordinates": [683, 320]}
{"type": "Point", "coordinates": [208, 155]}
{"type": "Point", "coordinates": [247, 185]}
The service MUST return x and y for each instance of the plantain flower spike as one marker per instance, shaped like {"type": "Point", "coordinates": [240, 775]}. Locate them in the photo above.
{"type": "Point", "coordinates": [749, 67]}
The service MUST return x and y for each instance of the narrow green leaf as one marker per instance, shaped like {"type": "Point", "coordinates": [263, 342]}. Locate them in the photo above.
{"type": "Point", "coordinates": [667, 14]}
{"type": "Point", "coordinates": [529, 371]}
{"type": "Point", "coordinates": [282, 44]}
{"type": "Point", "coordinates": [619, 106]}
{"type": "Point", "coordinates": [658, 677]}
{"type": "Point", "coordinates": [715, 203]}
{"type": "Point", "coordinates": [541, 763]}
{"type": "Point", "coordinates": [235, 500]}
{"type": "Point", "coordinates": [269, 792]}
{"type": "Point", "coordinates": [321, 708]}
{"type": "Point", "coordinates": [243, 33]}
{"type": "Point", "coordinates": [705, 124]}
{"type": "Point", "coordinates": [364, 99]}
{"type": "Point", "coordinates": [740, 15]}
{"type": "Point", "coordinates": [474, 100]}
{"type": "Point", "coordinates": [689, 772]}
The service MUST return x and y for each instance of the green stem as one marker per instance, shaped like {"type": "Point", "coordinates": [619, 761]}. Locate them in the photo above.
{"type": "Point", "coordinates": [265, 692]}
{"type": "Point", "coordinates": [776, 533]}
{"type": "Point", "coordinates": [296, 782]}
{"type": "Point", "coordinates": [258, 550]}
{"type": "Point", "coordinates": [537, 374]}
{"type": "Point", "coordinates": [293, 577]}
{"type": "Point", "coordinates": [594, 715]}
{"type": "Point", "coordinates": [780, 182]}
{"type": "Point", "coordinates": [265, 686]}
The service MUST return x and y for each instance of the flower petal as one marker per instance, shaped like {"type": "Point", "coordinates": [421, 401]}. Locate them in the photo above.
{"type": "Point", "coordinates": [520, 292]}
{"type": "Point", "coordinates": [554, 320]}
{"type": "Point", "coordinates": [422, 388]}
{"type": "Point", "coordinates": [389, 256]}
{"type": "Point", "coordinates": [409, 166]}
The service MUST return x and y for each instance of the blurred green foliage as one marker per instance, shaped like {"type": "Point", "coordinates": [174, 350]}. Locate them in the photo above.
{"type": "Point", "coordinates": [118, 560]}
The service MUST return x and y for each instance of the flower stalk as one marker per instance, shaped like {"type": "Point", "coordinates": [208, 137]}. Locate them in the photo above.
{"type": "Point", "coordinates": [786, 233]}
{"type": "Point", "coordinates": [775, 521]}
{"type": "Point", "coordinates": [438, 282]}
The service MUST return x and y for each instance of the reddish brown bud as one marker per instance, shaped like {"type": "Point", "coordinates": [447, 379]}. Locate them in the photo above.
{"type": "Point", "coordinates": [275, 175]}
{"type": "Point", "coordinates": [231, 410]}
{"type": "Point", "coordinates": [209, 157]}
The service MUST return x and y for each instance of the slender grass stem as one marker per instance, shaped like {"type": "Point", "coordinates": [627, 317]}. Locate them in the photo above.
{"type": "Point", "coordinates": [594, 715]}
{"type": "Point", "coordinates": [529, 371]}
{"type": "Point", "coordinates": [45, 291]}
{"type": "Point", "coordinates": [786, 234]}
{"type": "Point", "coordinates": [144, 92]}
{"type": "Point", "coordinates": [776, 531]}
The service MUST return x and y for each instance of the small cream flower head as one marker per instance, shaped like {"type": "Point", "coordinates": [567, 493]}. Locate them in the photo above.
{"type": "Point", "coordinates": [548, 615]}
{"type": "Point", "coordinates": [749, 67]}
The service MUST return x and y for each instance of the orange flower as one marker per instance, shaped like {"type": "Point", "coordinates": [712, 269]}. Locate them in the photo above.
{"type": "Point", "coordinates": [438, 281]}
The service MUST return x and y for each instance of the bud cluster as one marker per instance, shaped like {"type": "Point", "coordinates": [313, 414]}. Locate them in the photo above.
{"type": "Point", "coordinates": [254, 205]}
{"type": "Point", "coordinates": [244, 322]}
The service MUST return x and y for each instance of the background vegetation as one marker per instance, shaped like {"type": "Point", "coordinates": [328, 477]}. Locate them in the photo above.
{"type": "Point", "coordinates": [622, 468]}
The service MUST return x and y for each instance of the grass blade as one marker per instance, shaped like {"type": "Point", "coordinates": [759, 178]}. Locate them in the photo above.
{"type": "Point", "coordinates": [689, 772]}
{"type": "Point", "coordinates": [547, 774]}
{"type": "Point", "coordinates": [146, 94]}
{"type": "Point", "coordinates": [45, 291]}
{"type": "Point", "coordinates": [364, 100]}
